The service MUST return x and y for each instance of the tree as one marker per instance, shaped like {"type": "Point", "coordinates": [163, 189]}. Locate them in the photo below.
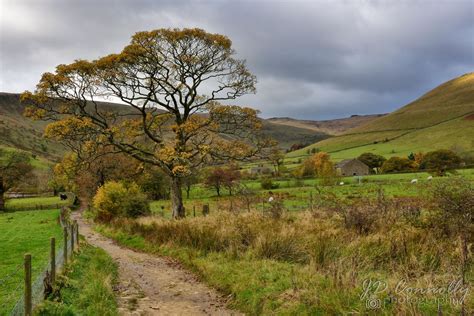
{"type": "Point", "coordinates": [227, 177]}
{"type": "Point", "coordinates": [84, 177]}
{"type": "Point", "coordinates": [373, 161]}
{"type": "Point", "coordinates": [320, 165]}
{"type": "Point", "coordinates": [15, 168]}
{"type": "Point", "coordinates": [276, 157]}
{"type": "Point", "coordinates": [189, 181]}
{"type": "Point", "coordinates": [440, 161]}
{"type": "Point", "coordinates": [155, 183]}
{"type": "Point", "coordinates": [168, 78]}
{"type": "Point", "coordinates": [397, 164]}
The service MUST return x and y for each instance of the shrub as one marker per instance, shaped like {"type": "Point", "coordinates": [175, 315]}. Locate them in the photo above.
{"type": "Point", "coordinates": [372, 160]}
{"type": "Point", "coordinates": [397, 164]}
{"type": "Point", "coordinates": [440, 161]}
{"type": "Point", "coordinates": [119, 199]}
{"type": "Point", "coordinates": [267, 184]}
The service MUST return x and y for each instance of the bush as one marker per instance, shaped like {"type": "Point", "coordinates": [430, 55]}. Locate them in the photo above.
{"type": "Point", "coordinates": [118, 199]}
{"type": "Point", "coordinates": [440, 161]}
{"type": "Point", "coordinates": [372, 160]}
{"type": "Point", "coordinates": [267, 184]}
{"type": "Point", "coordinates": [397, 164]}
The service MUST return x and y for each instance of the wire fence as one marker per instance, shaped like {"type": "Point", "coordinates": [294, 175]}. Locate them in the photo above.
{"type": "Point", "coordinates": [16, 281]}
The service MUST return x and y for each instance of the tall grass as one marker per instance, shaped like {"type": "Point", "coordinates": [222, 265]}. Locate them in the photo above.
{"type": "Point", "coordinates": [311, 262]}
{"type": "Point", "coordinates": [86, 287]}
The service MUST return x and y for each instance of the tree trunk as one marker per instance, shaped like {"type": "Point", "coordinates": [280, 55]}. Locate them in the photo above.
{"type": "Point", "coordinates": [2, 191]}
{"type": "Point", "coordinates": [177, 198]}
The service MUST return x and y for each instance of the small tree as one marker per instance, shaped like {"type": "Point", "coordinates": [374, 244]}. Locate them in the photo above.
{"type": "Point", "coordinates": [372, 160]}
{"type": "Point", "coordinates": [276, 157]}
{"type": "Point", "coordinates": [219, 177]}
{"type": "Point", "coordinates": [155, 183]}
{"type": "Point", "coordinates": [440, 161]}
{"type": "Point", "coordinates": [188, 182]}
{"type": "Point", "coordinates": [15, 168]}
{"type": "Point", "coordinates": [120, 199]}
{"type": "Point", "coordinates": [398, 164]}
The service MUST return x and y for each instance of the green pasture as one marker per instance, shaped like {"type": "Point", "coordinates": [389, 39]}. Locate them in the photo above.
{"type": "Point", "coordinates": [300, 194]}
{"type": "Point", "coordinates": [41, 202]}
{"type": "Point", "coordinates": [454, 133]}
{"type": "Point", "coordinates": [21, 233]}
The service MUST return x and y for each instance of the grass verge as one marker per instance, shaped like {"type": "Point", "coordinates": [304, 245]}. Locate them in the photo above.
{"type": "Point", "coordinates": [86, 288]}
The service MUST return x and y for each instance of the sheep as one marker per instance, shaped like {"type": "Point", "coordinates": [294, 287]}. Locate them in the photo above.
{"type": "Point", "coordinates": [414, 181]}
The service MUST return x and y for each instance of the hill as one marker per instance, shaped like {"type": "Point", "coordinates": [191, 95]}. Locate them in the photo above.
{"type": "Point", "coordinates": [331, 127]}
{"type": "Point", "coordinates": [21, 133]}
{"type": "Point", "coordinates": [441, 118]}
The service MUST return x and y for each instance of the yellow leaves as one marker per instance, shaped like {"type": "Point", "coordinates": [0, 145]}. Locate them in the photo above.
{"type": "Point", "coordinates": [180, 171]}
{"type": "Point", "coordinates": [68, 127]}
{"type": "Point", "coordinates": [34, 113]}
{"type": "Point", "coordinates": [178, 35]}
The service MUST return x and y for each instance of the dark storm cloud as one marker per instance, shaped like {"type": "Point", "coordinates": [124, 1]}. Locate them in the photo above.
{"type": "Point", "coordinates": [313, 59]}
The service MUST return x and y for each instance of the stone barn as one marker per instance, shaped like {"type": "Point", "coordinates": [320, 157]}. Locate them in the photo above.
{"type": "Point", "coordinates": [352, 167]}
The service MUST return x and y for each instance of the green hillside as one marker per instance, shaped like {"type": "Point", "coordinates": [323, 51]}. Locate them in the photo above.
{"type": "Point", "coordinates": [442, 118]}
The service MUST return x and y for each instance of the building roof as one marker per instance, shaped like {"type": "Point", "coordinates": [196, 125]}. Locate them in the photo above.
{"type": "Point", "coordinates": [344, 162]}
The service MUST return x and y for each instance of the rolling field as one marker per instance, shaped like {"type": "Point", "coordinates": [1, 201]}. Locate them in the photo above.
{"type": "Point", "coordinates": [21, 233]}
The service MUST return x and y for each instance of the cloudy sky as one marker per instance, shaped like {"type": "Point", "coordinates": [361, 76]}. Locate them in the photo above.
{"type": "Point", "coordinates": [313, 59]}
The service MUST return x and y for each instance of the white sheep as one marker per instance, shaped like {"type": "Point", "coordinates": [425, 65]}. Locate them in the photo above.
{"type": "Point", "coordinates": [414, 181]}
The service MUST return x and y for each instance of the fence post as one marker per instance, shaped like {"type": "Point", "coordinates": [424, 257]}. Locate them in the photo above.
{"type": "Point", "coordinates": [205, 209]}
{"type": "Point", "coordinates": [28, 303]}
{"type": "Point", "coordinates": [65, 244]}
{"type": "Point", "coordinates": [71, 227]}
{"type": "Point", "coordinates": [77, 233]}
{"type": "Point", "coordinates": [53, 260]}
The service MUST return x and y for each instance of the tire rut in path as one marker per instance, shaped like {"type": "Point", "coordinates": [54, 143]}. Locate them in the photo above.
{"type": "Point", "coordinates": [152, 285]}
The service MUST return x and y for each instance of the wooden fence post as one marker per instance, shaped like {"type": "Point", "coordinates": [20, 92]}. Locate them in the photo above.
{"type": "Point", "coordinates": [65, 244]}
{"type": "Point", "coordinates": [71, 228]}
{"type": "Point", "coordinates": [28, 302]}
{"type": "Point", "coordinates": [77, 233]}
{"type": "Point", "coordinates": [53, 260]}
{"type": "Point", "coordinates": [205, 209]}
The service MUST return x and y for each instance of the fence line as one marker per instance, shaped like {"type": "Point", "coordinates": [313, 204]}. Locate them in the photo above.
{"type": "Point", "coordinates": [35, 292]}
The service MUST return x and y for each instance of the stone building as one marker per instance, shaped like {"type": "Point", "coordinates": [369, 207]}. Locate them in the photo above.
{"type": "Point", "coordinates": [352, 167]}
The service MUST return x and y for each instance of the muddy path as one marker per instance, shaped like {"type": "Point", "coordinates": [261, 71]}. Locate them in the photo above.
{"type": "Point", "coordinates": [152, 285]}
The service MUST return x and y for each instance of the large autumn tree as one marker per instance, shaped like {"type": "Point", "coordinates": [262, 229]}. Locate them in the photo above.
{"type": "Point", "coordinates": [173, 82]}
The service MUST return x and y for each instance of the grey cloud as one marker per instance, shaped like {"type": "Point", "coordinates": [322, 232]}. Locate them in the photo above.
{"type": "Point", "coordinates": [313, 59]}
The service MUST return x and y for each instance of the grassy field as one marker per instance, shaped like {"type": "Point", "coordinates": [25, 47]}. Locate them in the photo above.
{"type": "Point", "coordinates": [312, 263]}
{"type": "Point", "coordinates": [298, 194]}
{"type": "Point", "coordinates": [20, 233]}
{"type": "Point", "coordinates": [87, 288]}
{"type": "Point", "coordinates": [41, 202]}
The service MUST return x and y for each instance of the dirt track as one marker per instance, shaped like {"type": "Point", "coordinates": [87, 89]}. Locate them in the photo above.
{"type": "Point", "coordinates": [151, 285]}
